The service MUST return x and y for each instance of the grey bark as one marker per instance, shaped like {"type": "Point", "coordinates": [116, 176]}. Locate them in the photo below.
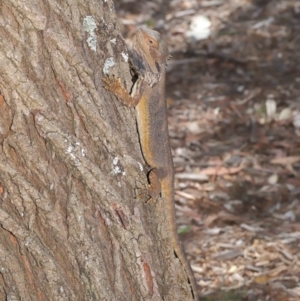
{"type": "Point", "coordinates": [71, 166]}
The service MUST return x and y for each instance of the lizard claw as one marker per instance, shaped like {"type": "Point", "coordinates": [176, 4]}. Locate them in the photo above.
{"type": "Point", "coordinates": [111, 83]}
{"type": "Point", "coordinates": [146, 193]}
{"type": "Point", "coordinates": [143, 194]}
{"type": "Point", "coordinates": [114, 85]}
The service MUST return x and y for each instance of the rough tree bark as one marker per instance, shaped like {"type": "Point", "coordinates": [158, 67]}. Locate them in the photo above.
{"type": "Point", "coordinates": [71, 165]}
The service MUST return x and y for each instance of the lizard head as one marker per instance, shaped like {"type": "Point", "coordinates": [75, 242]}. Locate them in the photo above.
{"type": "Point", "coordinates": [150, 54]}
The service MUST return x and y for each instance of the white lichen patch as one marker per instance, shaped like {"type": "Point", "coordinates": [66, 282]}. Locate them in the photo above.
{"type": "Point", "coordinates": [140, 166]}
{"type": "Point", "coordinates": [69, 149]}
{"type": "Point", "coordinates": [115, 161]}
{"type": "Point", "coordinates": [110, 62]}
{"type": "Point", "coordinates": [117, 167]}
{"type": "Point", "coordinates": [125, 56]}
{"type": "Point", "coordinates": [114, 40]}
{"type": "Point", "coordinates": [72, 150]}
{"type": "Point", "coordinates": [89, 25]}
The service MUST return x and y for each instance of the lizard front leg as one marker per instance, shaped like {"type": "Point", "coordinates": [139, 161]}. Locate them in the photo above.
{"type": "Point", "coordinates": [114, 85]}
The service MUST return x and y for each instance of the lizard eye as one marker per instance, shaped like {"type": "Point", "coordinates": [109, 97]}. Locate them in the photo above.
{"type": "Point", "coordinates": [150, 41]}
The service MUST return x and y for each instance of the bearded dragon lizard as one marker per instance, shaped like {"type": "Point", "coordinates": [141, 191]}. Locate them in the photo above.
{"type": "Point", "coordinates": [149, 57]}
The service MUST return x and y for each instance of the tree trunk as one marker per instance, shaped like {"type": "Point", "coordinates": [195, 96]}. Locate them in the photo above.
{"type": "Point", "coordinates": [71, 166]}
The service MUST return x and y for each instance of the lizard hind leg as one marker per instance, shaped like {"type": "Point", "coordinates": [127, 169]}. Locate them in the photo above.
{"type": "Point", "coordinates": [154, 187]}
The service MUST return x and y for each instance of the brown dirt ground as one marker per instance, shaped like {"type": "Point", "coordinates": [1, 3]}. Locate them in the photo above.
{"type": "Point", "coordinates": [237, 160]}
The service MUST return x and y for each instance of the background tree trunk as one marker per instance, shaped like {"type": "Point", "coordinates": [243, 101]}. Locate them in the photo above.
{"type": "Point", "coordinates": [71, 165]}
